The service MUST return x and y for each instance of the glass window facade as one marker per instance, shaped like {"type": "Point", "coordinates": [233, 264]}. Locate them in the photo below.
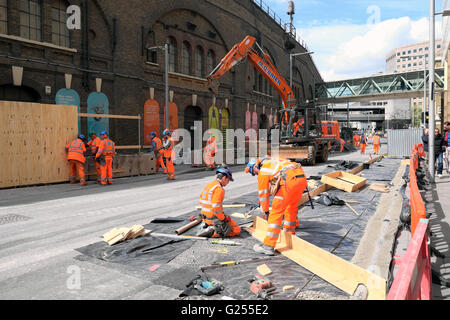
{"type": "Point", "coordinates": [60, 33]}
{"type": "Point", "coordinates": [30, 19]}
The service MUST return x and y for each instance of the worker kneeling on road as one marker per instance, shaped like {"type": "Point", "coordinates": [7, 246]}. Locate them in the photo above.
{"type": "Point", "coordinates": [216, 223]}
{"type": "Point", "coordinates": [285, 181]}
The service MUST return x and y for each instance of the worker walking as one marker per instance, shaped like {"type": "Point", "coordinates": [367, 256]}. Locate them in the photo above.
{"type": "Point", "coordinates": [75, 155]}
{"type": "Point", "coordinates": [376, 143]}
{"type": "Point", "coordinates": [363, 142]}
{"type": "Point", "coordinates": [93, 145]}
{"type": "Point", "coordinates": [168, 146]}
{"type": "Point", "coordinates": [216, 223]}
{"type": "Point", "coordinates": [156, 148]}
{"type": "Point", "coordinates": [210, 151]}
{"type": "Point", "coordinates": [285, 181]}
{"type": "Point", "coordinates": [105, 155]}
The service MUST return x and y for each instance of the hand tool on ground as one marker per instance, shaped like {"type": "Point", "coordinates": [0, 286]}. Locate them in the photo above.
{"type": "Point", "coordinates": [309, 197]}
{"type": "Point", "coordinates": [351, 208]}
{"type": "Point", "coordinates": [265, 294]}
{"type": "Point", "coordinates": [233, 263]}
{"type": "Point", "coordinates": [174, 236]}
{"type": "Point", "coordinates": [208, 287]}
{"type": "Point", "coordinates": [226, 242]}
{"type": "Point", "coordinates": [189, 225]}
{"type": "Point", "coordinates": [261, 287]}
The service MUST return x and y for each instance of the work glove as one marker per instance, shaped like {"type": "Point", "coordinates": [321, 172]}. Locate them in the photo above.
{"type": "Point", "coordinates": [227, 218]}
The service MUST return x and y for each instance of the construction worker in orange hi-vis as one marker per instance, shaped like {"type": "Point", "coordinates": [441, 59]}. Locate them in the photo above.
{"type": "Point", "coordinates": [376, 143]}
{"type": "Point", "coordinates": [210, 151]}
{"type": "Point", "coordinates": [93, 145]}
{"type": "Point", "coordinates": [105, 155]}
{"type": "Point", "coordinates": [215, 223]}
{"type": "Point", "coordinates": [156, 148]}
{"type": "Point", "coordinates": [342, 141]}
{"type": "Point", "coordinates": [75, 154]}
{"type": "Point", "coordinates": [285, 181]}
{"type": "Point", "coordinates": [168, 154]}
{"type": "Point", "coordinates": [297, 126]}
{"type": "Point", "coordinates": [363, 142]}
{"type": "Point", "coordinates": [356, 138]}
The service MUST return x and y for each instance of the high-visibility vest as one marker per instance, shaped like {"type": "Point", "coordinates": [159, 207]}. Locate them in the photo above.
{"type": "Point", "coordinates": [376, 140]}
{"type": "Point", "coordinates": [75, 150]}
{"type": "Point", "coordinates": [362, 140]}
{"type": "Point", "coordinates": [94, 144]}
{"type": "Point", "coordinates": [211, 145]}
{"type": "Point", "coordinates": [270, 171]}
{"type": "Point", "coordinates": [211, 202]}
{"type": "Point", "coordinates": [158, 144]}
{"type": "Point", "coordinates": [168, 147]}
{"type": "Point", "coordinates": [107, 148]}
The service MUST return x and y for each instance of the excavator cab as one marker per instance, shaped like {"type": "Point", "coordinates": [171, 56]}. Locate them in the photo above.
{"type": "Point", "coordinates": [300, 123]}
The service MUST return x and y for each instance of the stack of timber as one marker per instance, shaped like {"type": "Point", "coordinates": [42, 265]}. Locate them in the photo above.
{"type": "Point", "coordinates": [344, 181]}
{"type": "Point", "coordinates": [121, 234]}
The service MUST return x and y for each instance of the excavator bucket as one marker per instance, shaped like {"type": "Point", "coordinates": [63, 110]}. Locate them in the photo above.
{"type": "Point", "coordinates": [213, 86]}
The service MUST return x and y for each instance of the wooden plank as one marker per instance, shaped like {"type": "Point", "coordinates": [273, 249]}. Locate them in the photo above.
{"type": "Point", "coordinates": [337, 271]}
{"type": "Point", "coordinates": [344, 181]}
{"type": "Point", "coordinates": [5, 145]}
{"type": "Point", "coordinates": [264, 270]}
{"type": "Point", "coordinates": [110, 116]}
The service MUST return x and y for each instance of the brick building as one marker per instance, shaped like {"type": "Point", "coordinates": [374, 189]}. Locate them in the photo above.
{"type": "Point", "coordinates": [111, 46]}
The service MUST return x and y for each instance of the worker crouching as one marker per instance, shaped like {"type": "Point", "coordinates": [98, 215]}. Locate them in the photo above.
{"type": "Point", "coordinates": [216, 223]}
{"type": "Point", "coordinates": [285, 181]}
{"type": "Point", "coordinates": [75, 155]}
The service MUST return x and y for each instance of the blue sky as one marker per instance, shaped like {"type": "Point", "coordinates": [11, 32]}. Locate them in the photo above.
{"type": "Point", "coordinates": [351, 38]}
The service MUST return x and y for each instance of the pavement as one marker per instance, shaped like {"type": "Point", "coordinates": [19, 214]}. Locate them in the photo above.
{"type": "Point", "coordinates": [439, 206]}
{"type": "Point", "coordinates": [42, 225]}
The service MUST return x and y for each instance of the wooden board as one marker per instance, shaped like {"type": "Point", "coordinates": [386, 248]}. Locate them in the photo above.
{"type": "Point", "coordinates": [337, 271]}
{"type": "Point", "coordinates": [344, 181]}
{"type": "Point", "coordinates": [32, 139]}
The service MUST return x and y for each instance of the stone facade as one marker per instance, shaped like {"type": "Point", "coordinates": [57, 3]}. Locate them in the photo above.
{"type": "Point", "coordinates": [112, 43]}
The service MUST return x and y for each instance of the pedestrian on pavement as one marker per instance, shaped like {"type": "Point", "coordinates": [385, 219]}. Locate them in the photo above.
{"type": "Point", "coordinates": [285, 181]}
{"type": "Point", "coordinates": [376, 143]}
{"type": "Point", "coordinates": [93, 145]}
{"type": "Point", "coordinates": [168, 153]}
{"type": "Point", "coordinates": [425, 142]}
{"type": "Point", "coordinates": [439, 149]}
{"type": "Point", "coordinates": [156, 149]}
{"type": "Point", "coordinates": [447, 147]}
{"type": "Point", "coordinates": [363, 142]}
{"type": "Point", "coordinates": [75, 155]}
{"type": "Point", "coordinates": [210, 151]}
{"type": "Point", "coordinates": [215, 223]}
{"type": "Point", "coordinates": [105, 155]}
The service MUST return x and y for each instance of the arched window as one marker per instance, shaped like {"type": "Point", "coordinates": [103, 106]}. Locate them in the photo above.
{"type": "Point", "coordinates": [30, 19]}
{"type": "Point", "coordinates": [186, 54]}
{"type": "Point", "coordinates": [210, 61]}
{"type": "Point", "coordinates": [4, 16]}
{"type": "Point", "coordinates": [199, 62]}
{"type": "Point", "coordinates": [173, 54]}
{"type": "Point", "coordinates": [60, 32]}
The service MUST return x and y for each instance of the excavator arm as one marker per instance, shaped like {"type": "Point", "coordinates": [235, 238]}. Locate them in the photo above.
{"type": "Point", "coordinates": [244, 50]}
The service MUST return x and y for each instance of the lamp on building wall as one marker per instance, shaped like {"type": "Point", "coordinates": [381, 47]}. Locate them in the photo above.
{"type": "Point", "coordinates": [68, 80]}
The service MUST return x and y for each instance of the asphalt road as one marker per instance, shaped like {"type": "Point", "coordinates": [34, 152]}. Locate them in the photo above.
{"type": "Point", "coordinates": [41, 226]}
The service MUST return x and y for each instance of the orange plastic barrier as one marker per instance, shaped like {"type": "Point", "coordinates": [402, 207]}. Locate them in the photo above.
{"type": "Point", "coordinates": [413, 279]}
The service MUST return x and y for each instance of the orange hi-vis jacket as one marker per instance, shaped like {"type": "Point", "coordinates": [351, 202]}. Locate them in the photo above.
{"type": "Point", "coordinates": [211, 145]}
{"type": "Point", "coordinates": [269, 171]}
{"type": "Point", "coordinates": [107, 148]}
{"type": "Point", "coordinates": [94, 144]}
{"type": "Point", "coordinates": [376, 140]}
{"type": "Point", "coordinates": [76, 150]}
{"type": "Point", "coordinates": [168, 147]}
{"type": "Point", "coordinates": [211, 202]}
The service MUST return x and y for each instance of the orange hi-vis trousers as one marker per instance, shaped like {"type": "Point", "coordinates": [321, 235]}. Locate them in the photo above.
{"type": "Point", "coordinates": [107, 171]}
{"type": "Point", "coordinates": [170, 168]}
{"type": "Point", "coordinates": [363, 147]}
{"type": "Point", "coordinates": [160, 163]}
{"type": "Point", "coordinates": [77, 166]}
{"type": "Point", "coordinates": [376, 148]}
{"type": "Point", "coordinates": [285, 205]}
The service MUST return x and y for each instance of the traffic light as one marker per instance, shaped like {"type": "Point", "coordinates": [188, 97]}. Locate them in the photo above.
{"type": "Point", "coordinates": [427, 117]}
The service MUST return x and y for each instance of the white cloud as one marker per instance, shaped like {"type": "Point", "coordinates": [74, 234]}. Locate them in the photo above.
{"type": "Point", "coordinates": [346, 51]}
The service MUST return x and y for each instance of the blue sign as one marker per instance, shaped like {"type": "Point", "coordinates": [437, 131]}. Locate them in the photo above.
{"type": "Point", "coordinates": [69, 97]}
{"type": "Point", "coordinates": [98, 104]}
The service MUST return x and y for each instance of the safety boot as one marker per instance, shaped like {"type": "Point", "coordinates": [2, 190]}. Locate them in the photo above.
{"type": "Point", "coordinates": [264, 249]}
{"type": "Point", "coordinates": [208, 232]}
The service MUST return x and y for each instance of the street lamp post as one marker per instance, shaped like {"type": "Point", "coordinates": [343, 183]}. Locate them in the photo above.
{"type": "Point", "coordinates": [290, 64]}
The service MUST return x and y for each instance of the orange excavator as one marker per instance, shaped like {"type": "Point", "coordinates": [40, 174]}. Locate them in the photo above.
{"type": "Point", "coordinates": [301, 137]}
